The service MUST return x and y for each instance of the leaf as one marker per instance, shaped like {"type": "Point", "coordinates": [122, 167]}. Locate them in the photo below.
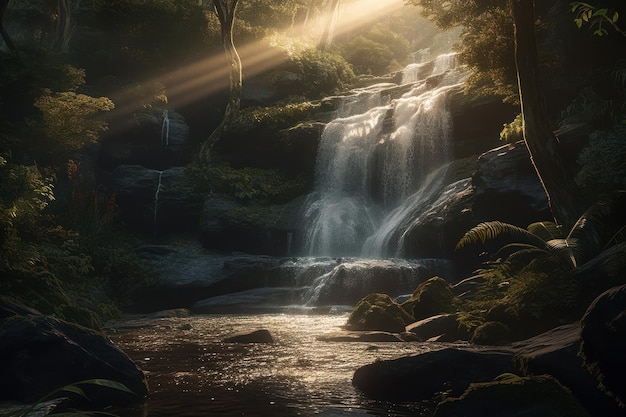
{"type": "Point", "coordinates": [601, 12]}
{"type": "Point", "coordinates": [507, 376]}
{"type": "Point", "coordinates": [107, 383]}
{"type": "Point", "coordinates": [615, 16]}
{"type": "Point", "coordinates": [579, 23]}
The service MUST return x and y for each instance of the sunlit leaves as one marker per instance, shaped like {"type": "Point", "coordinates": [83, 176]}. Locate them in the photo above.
{"type": "Point", "coordinates": [69, 118]}
{"type": "Point", "coordinates": [596, 18]}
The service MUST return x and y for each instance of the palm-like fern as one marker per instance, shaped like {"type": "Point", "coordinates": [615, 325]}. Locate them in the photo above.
{"type": "Point", "coordinates": [601, 226]}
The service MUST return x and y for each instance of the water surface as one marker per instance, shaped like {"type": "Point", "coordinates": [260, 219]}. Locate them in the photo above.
{"type": "Point", "coordinates": [192, 373]}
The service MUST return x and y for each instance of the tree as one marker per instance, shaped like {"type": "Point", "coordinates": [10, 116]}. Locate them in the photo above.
{"type": "Point", "coordinates": [5, 35]}
{"type": "Point", "coordinates": [326, 39]}
{"type": "Point", "coordinates": [225, 10]}
{"type": "Point", "coordinates": [563, 195]}
{"type": "Point", "coordinates": [564, 198]}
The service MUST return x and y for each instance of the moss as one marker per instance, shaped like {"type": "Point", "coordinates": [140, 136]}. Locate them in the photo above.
{"type": "Point", "coordinates": [492, 333]}
{"type": "Point", "coordinates": [514, 396]}
{"type": "Point", "coordinates": [378, 312]}
{"type": "Point", "coordinates": [430, 298]}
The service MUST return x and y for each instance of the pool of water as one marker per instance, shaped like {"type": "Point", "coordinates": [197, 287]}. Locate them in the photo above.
{"type": "Point", "coordinates": [192, 373]}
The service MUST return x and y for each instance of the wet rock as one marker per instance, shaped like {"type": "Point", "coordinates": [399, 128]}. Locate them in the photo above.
{"type": "Point", "coordinates": [378, 312]}
{"type": "Point", "coordinates": [39, 354]}
{"type": "Point", "coordinates": [513, 397]}
{"type": "Point", "coordinates": [256, 336]}
{"type": "Point", "coordinates": [506, 187]}
{"type": "Point", "coordinates": [445, 327]}
{"type": "Point", "coordinates": [492, 333]}
{"type": "Point", "coordinates": [603, 337]}
{"type": "Point", "coordinates": [556, 353]}
{"type": "Point", "coordinates": [421, 377]}
{"type": "Point", "coordinates": [430, 298]}
{"type": "Point", "coordinates": [154, 201]}
{"type": "Point", "coordinates": [155, 140]}
{"type": "Point", "coordinates": [354, 336]}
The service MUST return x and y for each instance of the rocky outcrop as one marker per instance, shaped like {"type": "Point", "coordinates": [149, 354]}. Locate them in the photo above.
{"type": "Point", "coordinates": [156, 140]}
{"type": "Point", "coordinates": [506, 187]}
{"type": "Point", "coordinates": [39, 354]}
{"type": "Point", "coordinates": [430, 298]}
{"type": "Point", "coordinates": [154, 201]}
{"type": "Point", "coordinates": [440, 328]}
{"type": "Point", "coordinates": [604, 341]}
{"type": "Point", "coordinates": [513, 397]}
{"type": "Point", "coordinates": [421, 377]}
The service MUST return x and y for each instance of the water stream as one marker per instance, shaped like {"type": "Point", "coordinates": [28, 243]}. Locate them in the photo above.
{"type": "Point", "coordinates": [191, 373]}
{"type": "Point", "coordinates": [377, 159]}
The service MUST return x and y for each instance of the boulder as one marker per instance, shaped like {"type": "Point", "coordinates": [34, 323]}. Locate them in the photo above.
{"type": "Point", "coordinates": [556, 353]}
{"type": "Point", "coordinates": [39, 354]}
{"type": "Point", "coordinates": [513, 397]}
{"type": "Point", "coordinates": [430, 298]}
{"type": "Point", "coordinates": [444, 327]}
{"type": "Point", "coordinates": [256, 336]}
{"type": "Point", "coordinates": [506, 187]}
{"type": "Point", "coordinates": [492, 333]}
{"type": "Point", "coordinates": [354, 336]}
{"type": "Point", "coordinates": [422, 377]}
{"type": "Point", "coordinates": [378, 312]}
{"type": "Point", "coordinates": [603, 337]}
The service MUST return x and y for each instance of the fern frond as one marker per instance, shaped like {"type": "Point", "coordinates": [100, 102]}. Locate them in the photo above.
{"type": "Point", "coordinates": [487, 231]}
{"type": "Point", "coordinates": [546, 230]}
{"type": "Point", "coordinates": [567, 252]}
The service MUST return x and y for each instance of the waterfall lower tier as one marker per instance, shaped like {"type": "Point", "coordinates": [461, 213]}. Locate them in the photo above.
{"type": "Point", "coordinates": [374, 163]}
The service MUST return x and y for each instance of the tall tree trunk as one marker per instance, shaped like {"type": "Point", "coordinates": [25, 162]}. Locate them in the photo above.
{"type": "Point", "coordinates": [225, 10]}
{"type": "Point", "coordinates": [5, 35]}
{"type": "Point", "coordinates": [564, 197]}
{"type": "Point", "coordinates": [327, 34]}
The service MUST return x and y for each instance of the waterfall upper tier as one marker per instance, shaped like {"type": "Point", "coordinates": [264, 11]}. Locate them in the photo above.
{"type": "Point", "coordinates": [375, 155]}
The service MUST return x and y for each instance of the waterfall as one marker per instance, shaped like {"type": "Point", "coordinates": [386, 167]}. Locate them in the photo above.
{"type": "Point", "coordinates": [165, 129]}
{"type": "Point", "coordinates": [156, 201]}
{"type": "Point", "coordinates": [376, 161]}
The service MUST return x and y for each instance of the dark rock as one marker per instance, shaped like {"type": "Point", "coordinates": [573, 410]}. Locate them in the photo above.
{"type": "Point", "coordinates": [354, 336]}
{"type": "Point", "coordinates": [492, 333]}
{"type": "Point", "coordinates": [378, 312]}
{"type": "Point", "coordinates": [156, 141]}
{"type": "Point", "coordinates": [445, 327]}
{"type": "Point", "coordinates": [507, 187]}
{"type": "Point", "coordinates": [257, 336]}
{"type": "Point", "coordinates": [40, 354]}
{"type": "Point", "coordinates": [154, 201]}
{"type": "Point", "coordinates": [603, 337]}
{"type": "Point", "coordinates": [556, 353]}
{"type": "Point", "coordinates": [513, 397]}
{"type": "Point", "coordinates": [430, 298]}
{"type": "Point", "coordinates": [423, 376]}
{"type": "Point", "coordinates": [229, 225]}
{"type": "Point", "coordinates": [478, 121]}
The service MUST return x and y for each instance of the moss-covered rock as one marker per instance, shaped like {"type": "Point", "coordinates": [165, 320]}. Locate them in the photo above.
{"type": "Point", "coordinates": [431, 298]}
{"type": "Point", "coordinates": [492, 333]}
{"type": "Point", "coordinates": [513, 396]}
{"type": "Point", "coordinates": [378, 312]}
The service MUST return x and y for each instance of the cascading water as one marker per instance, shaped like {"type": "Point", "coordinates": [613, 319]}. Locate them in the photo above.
{"type": "Point", "coordinates": [373, 166]}
{"type": "Point", "coordinates": [156, 201]}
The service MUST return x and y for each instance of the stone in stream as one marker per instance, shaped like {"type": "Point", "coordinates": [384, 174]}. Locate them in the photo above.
{"type": "Point", "coordinates": [256, 336]}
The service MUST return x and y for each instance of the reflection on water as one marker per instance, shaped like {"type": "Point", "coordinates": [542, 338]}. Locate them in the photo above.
{"type": "Point", "coordinates": [192, 373]}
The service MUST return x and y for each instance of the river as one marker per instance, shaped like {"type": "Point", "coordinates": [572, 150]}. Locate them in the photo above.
{"type": "Point", "coordinates": [192, 373]}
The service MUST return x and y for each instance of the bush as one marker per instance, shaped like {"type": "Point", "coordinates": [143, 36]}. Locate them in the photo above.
{"type": "Point", "coordinates": [367, 56]}
{"type": "Point", "coordinates": [322, 73]}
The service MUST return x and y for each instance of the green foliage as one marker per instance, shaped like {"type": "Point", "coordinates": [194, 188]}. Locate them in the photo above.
{"type": "Point", "coordinates": [603, 163]}
{"type": "Point", "coordinates": [69, 118]}
{"type": "Point", "coordinates": [597, 18]}
{"type": "Point", "coordinates": [322, 73]}
{"type": "Point", "coordinates": [248, 183]}
{"type": "Point", "coordinates": [279, 116]}
{"type": "Point", "coordinates": [377, 51]}
{"type": "Point", "coordinates": [514, 131]}
{"type": "Point", "coordinates": [590, 107]}
{"type": "Point", "coordinates": [40, 405]}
